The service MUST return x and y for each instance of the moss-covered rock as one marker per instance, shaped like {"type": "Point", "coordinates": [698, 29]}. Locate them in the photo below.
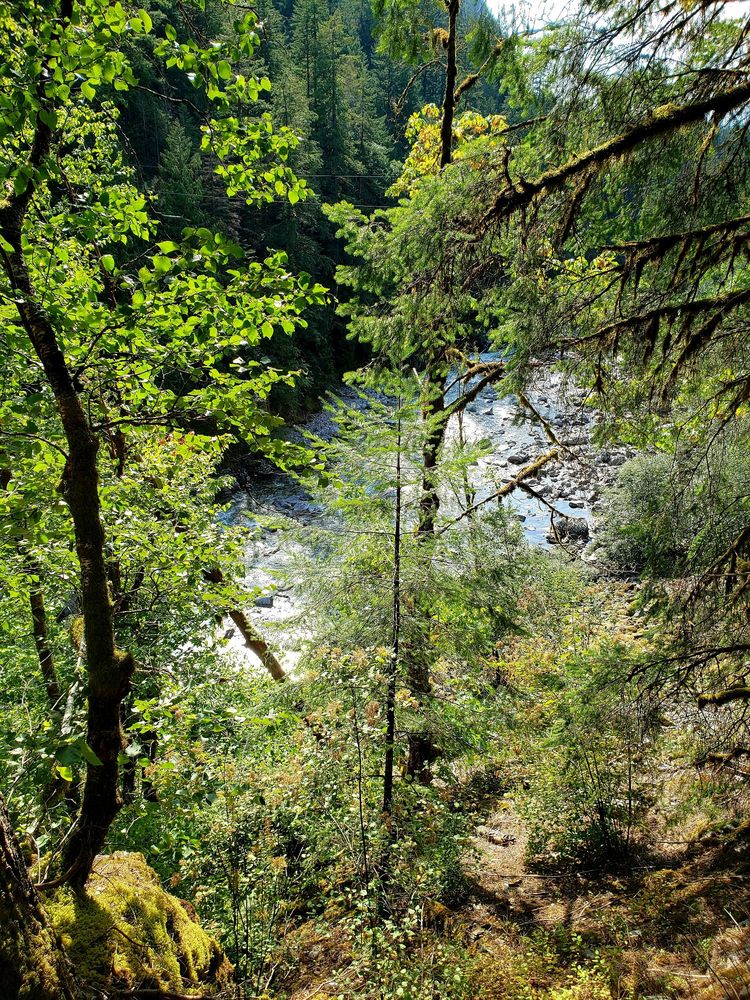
{"type": "Point", "coordinates": [125, 930]}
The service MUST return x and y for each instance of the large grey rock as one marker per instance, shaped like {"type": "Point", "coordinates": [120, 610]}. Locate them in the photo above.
{"type": "Point", "coordinates": [570, 529]}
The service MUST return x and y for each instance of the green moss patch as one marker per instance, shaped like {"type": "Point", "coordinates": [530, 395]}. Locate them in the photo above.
{"type": "Point", "coordinates": [125, 930]}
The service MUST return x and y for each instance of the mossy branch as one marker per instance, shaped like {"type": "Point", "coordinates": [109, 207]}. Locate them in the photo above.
{"type": "Point", "coordinates": [253, 640]}
{"type": "Point", "coordinates": [660, 122]}
{"type": "Point", "coordinates": [656, 247]}
{"type": "Point", "coordinates": [526, 473]}
{"type": "Point", "coordinates": [724, 697]}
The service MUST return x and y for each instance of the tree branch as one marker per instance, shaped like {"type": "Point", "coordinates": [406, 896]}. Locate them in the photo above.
{"type": "Point", "coordinates": [526, 473]}
{"type": "Point", "coordinates": [658, 123]}
{"type": "Point", "coordinates": [253, 640]}
{"type": "Point", "coordinates": [724, 697]}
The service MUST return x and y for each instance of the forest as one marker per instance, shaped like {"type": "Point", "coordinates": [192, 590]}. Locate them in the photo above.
{"type": "Point", "coordinates": [375, 500]}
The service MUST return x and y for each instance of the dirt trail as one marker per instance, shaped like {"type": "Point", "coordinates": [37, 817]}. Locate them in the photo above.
{"type": "Point", "coordinates": [680, 918]}
{"type": "Point", "coordinates": [505, 888]}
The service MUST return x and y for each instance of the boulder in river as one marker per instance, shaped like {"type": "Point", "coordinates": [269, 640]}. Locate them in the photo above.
{"type": "Point", "coordinates": [611, 458]}
{"type": "Point", "coordinates": [570, 529]}
{"type": "Point", "coordinates": [518, 458]}
{"type": "Point", "coordinates": [574, 442]}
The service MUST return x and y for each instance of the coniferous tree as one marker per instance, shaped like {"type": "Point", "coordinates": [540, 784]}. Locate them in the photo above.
{"type": "Point", "coordinates": [179, 182]}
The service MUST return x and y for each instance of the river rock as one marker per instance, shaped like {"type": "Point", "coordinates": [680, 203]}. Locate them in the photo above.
{"type": "Point", "coordinates": [518, 458]}
{"type": "Point", "coordinates": [611, 458]}
{"type": "Point", "coordinates": [570, 529]}
{"type": "Point", "coordinates": [265, 601]}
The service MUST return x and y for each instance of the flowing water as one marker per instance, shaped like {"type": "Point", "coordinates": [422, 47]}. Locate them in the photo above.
{"type": "Point", "coordinates": [570, 489]}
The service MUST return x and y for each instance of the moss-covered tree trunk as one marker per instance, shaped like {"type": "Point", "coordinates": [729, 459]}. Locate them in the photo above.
{"type": "Point", "coordinates": [32, 964]}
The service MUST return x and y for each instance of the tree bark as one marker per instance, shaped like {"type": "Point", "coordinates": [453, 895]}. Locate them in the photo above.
{"type": "Point", "coordinates": [253, 640]}
{"type": "Point", "coordinates": [449, 100]}
{"type": "Point", "coordinates": [46, 659]}
{"type": "Point", "coordinates": [433, 411]}
{"type": "Point", "coordinates": [390, 696]}
{"type": "Point", "coordinates": [421, 747]}
{"type": "Point", "coordinates": [109, 669]}
{"type": "Point", "coordinates": [258, 645]}
{"type": "Point", "coordinates": [32, 963]}
{"type": "Point", "coordinates": [434, 405]}
{"type": "Point", "coordinates": [718, 698]}
{"type": "Point", "coordinates": [38, 620]}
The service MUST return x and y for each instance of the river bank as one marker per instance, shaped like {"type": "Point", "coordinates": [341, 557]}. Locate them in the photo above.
{"type": "Point", "coordinates": [566, 495]}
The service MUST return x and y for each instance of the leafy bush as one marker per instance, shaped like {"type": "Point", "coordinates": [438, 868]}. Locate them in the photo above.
{"type": "Point", "coordinates": [582, 740]}
{"type": "Point", "coordinates": [671, 513]}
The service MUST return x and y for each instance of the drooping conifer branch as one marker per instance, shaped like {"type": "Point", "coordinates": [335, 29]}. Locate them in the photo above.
{"type": "Point", "coordinates": [660, 122]}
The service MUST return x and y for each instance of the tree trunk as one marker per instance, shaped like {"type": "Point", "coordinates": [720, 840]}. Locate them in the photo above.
{"type": "Point", "coordinates": [422, 750]}
{"type": "Point", "coordinates": [109, 669]}
{"type": "Point", "coordinates": [449, 101]}
{"type": "Point", "coordinates": [32, 964]}
{"type": "Point", "coordinates": [434, 406]}
{"type": "Point", "coordinates": [433, 410]}
{"type": "Point", "coordinates": [38, 618]}
{"type": "Point", "coordinates": [390, 696]}
{"type": "Point", "coordinates": [46, 659]}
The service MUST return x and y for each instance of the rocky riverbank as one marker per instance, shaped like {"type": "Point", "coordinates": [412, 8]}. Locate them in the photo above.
{"type": "Point", "coordinates": [561, 508]}
{"type": "Point", "coordinates": [569, 490]}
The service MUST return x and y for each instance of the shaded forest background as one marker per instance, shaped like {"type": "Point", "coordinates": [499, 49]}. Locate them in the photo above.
{"type": "Point", "coordinates": [347, 101]}
{"type": "Point", "coordinates": [473, 766]}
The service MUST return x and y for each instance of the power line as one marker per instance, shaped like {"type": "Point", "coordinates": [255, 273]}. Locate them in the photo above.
{"type": "Point", "coordinates": [298, 173]}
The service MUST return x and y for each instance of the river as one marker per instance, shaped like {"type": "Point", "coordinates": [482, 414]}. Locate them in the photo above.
{"type": "Point", "coordinates": [573, 487]}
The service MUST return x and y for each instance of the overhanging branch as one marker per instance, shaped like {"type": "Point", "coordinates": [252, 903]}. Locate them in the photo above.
{"type": "Point", "coordinates": [660, 122]}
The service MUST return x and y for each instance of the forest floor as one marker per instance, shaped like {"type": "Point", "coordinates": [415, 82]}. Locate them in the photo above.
{"type": "Point", "coordinates": [504, 886]}
{"type": "Point", "coordinates": [670, 923]}
{"type": "Point", "coordinates": [673, 921]}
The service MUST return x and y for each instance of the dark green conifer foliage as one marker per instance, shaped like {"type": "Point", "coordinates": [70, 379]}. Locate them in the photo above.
{"type": "Point", "coordinates": [179, 183]}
